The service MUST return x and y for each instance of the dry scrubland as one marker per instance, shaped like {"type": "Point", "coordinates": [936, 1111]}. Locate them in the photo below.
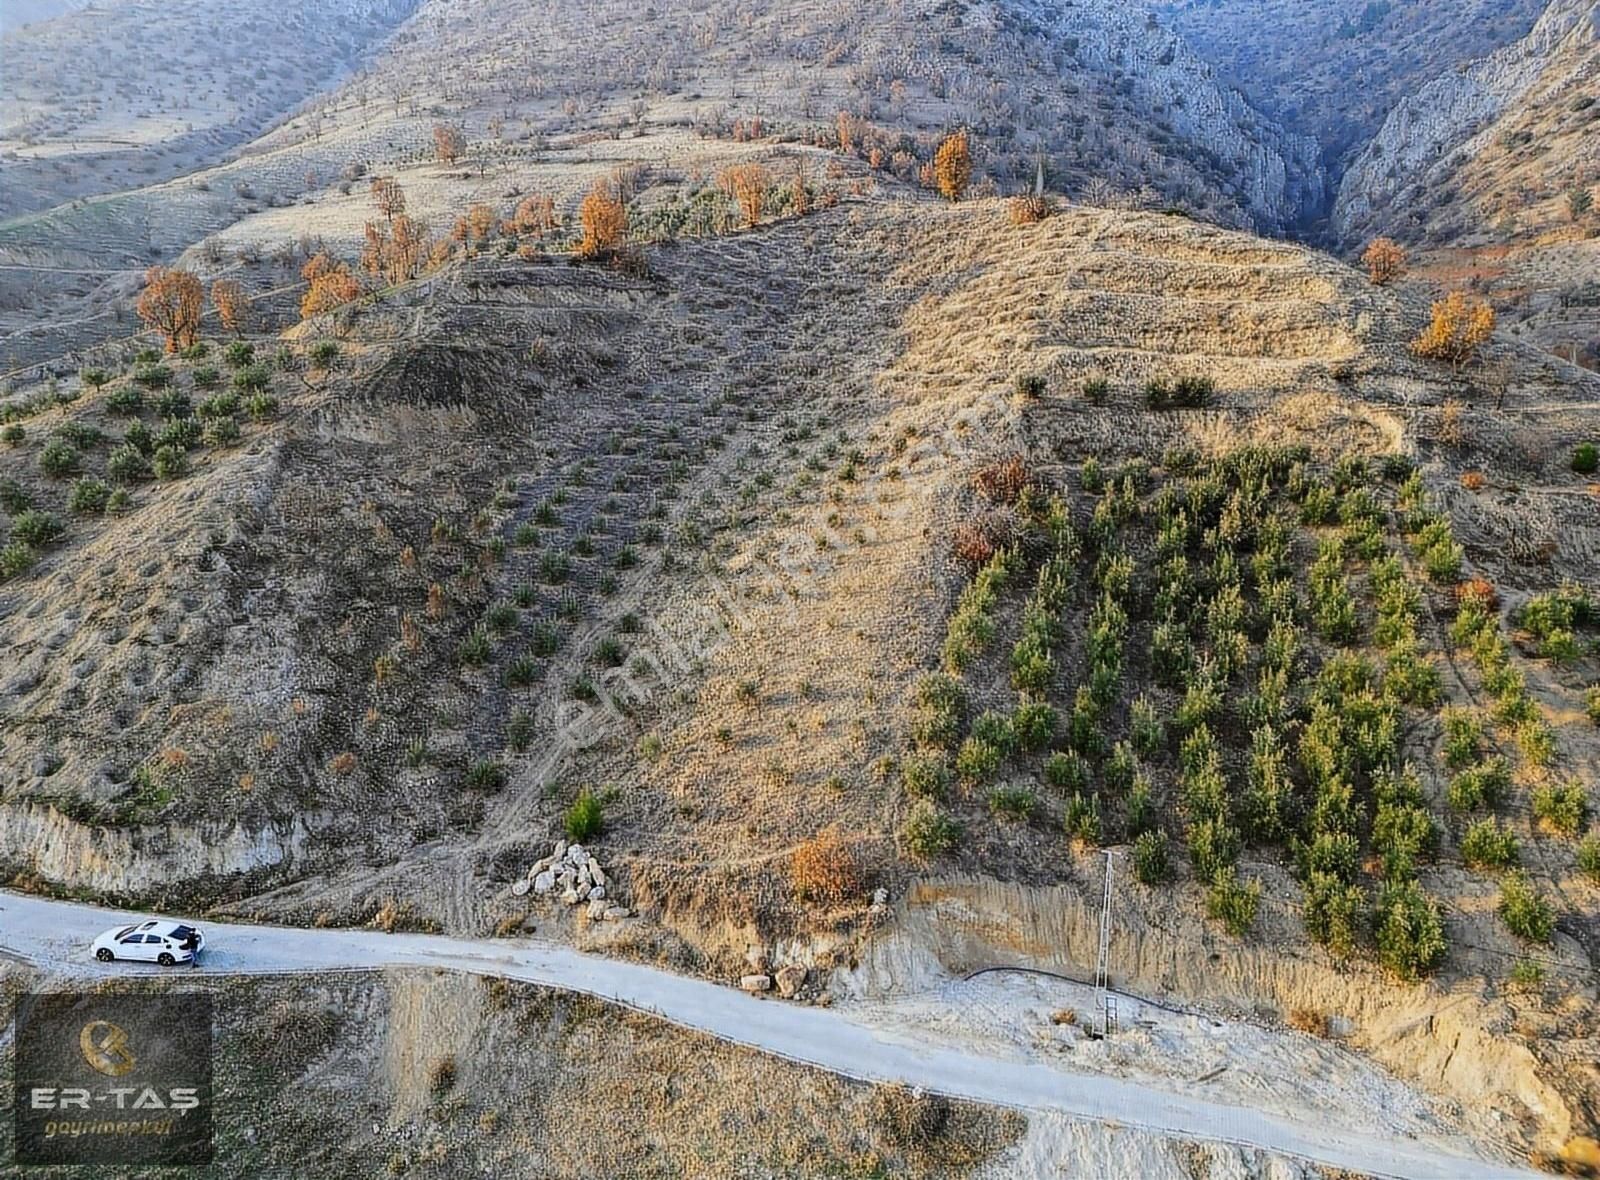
{"type": "Point", "coordinates": [1119, 110]}
{"type": "Point", "coordinates": [424, 1075]}
{"type": "Point", "coordinates": [889, 542]}
{"type": "Point", "coordinates": [172, 87]}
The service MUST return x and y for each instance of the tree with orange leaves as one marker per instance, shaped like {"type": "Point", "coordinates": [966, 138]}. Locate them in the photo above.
{"type": "Point", "coordinates": [232, 307]}
{"type": "Point", "coordinates": [1385, 261]}
{"type": "Point", "coordinates": [481, 222]}
{"type": "Point", "coordinates": [1461, 325]}
{"type": "Point", "coordinates": [333, 286]}
{"type": "Point", "coordinates": [319, 264]}
{"type": "Point", "coordinates": [388, 196]}
{"type": "Point", "coordinates": [851, 129]}
{"type": "Point", "coordinates": [396, 251]}
{"type": "Point", "coordinates": [747, 184]}
{"type": "Point", "coordinates": [952, 166]}
{"type": "Point", "coordinates": [536, 215]}
{"type": "Point", "coordinates": [604, 219]}
{"type": "Point", "coordinates": [448, 142]}
{"type": "Point", "coordinates": [171, 303]}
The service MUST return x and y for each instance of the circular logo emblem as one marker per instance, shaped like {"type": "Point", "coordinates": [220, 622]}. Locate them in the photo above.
{"type": "Point", "coordinates": [105, 1048]}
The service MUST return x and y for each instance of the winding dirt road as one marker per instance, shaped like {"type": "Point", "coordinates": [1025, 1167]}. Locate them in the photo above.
{"type": "Point", "coordinates": [56, 935]}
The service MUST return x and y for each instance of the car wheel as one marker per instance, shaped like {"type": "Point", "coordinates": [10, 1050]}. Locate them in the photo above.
{"type": "Point", "coordinates": [165, 959]}
{"type": "Point", "coordinates": [104, 954]}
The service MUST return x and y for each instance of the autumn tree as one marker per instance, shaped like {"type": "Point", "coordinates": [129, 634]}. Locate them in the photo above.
{"type": "Point", "coordinates": [851, 128]}
{"type": "Point", "coordinates": [388, 196]}
{"type": "Point", "coordinates": [952, 166]}
{"type": "Point", "coordinates": [332, 287]}
{"type": "Point", "coordinates": [1460, 326]}
{"type": "Point", "coordinates": [448, 142]}
{"type": "Point", "coordinates": [747, 184]}
{"type": "Point", "coordinates": [171, 303]}
{"type": "Point", "coordinates": [604, 219]}
{"type": "Point", "coordinates": [232, 307]}
{"type": "Point", "coordinates": [1385, 261]}
{"type": "Point", "coordinates": [536, 215]}
{"type": "Point", "coordinates": [395, 252]}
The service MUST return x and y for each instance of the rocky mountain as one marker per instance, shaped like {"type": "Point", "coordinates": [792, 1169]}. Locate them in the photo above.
{"type": "Point", "coordinates": [1335, 70]}
{"type": "Point", "coordinates": [1517, 127]}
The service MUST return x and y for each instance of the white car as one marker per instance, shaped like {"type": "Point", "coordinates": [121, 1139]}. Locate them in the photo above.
{"type": "Point", "coordinates": [155, 941]}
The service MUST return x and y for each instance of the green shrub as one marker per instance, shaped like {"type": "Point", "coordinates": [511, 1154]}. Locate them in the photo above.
{"type": "Point", "coordinates": [222, 405]}
{"type": "Point", "coordinates": [1097, 389]}
{"type": "Point", "coordinates": [1083, 819]}
{"type": "Point", "coordinates": [153, 376]}
{"type": "Point", "coordinates": [519, 730]}
{"type": "Point", "coordinates": [1335, 913]}
{"type": "Point", "coordinates": [59, 458]}
{"type": "Point", "coordinates": [174, 403]}
{"type": "Point", "coordinates": [261, 406]}
{"type": "Point", "coordinates": [127, 464]}
{"type": "Point", "coordinates": [1409, 931]}
{"type": "Point", "coordinates": [239, 353]}
{"type": "Point", "coordinates": [585, 818]}
{"type": "Point", "coordinates": [182, 434]}
{"type": "Point", "coordinates": [222, 432]}
{"type": "Point", "coordinates": [484, 775]}
{"type": "Point", "coordinates": [1487, 845]}
{"type": "Point", "coordinates": [977, 761]}
{"type": "Point", "coordinates": [1589, 856]}
{"type": "Point", "coordinates": [473, 651]}
{"type": "Point", "coordinates": [995, 729]}
{"type": "Point", "coordinates": [928, 831]}
{"type": "Point", "coordinates": [88, 496]}
{"type": "Point", "coordinates": [252, 379]}
{"type": "Point", "coordinates": [36, 528]}
{"type": "Point", "coordinates": [206, 377]}
{"type": "Point", "coordinates": [1146, 729]}
{"type": "Point", "coordinates": [1482, 785]}
{"type": "Point", "coordinates": [14, 498]}
{"type": "Point", "coordinates": [1463, 736]}
{"type": "Point", "coordinates": [522, 671]}
{"type": "Point", "coordinates": [1213, 846]}
{"type": "Point", "coordinates": [1233, 902]}
{"type": "Point", "coordinates": [1562, 809]}
{"type": "Point", "coordinates": [925, 777]}
{"type": "Point", "coordinates": [1032, 725]}
{"type": "Point", "coordinates": [1585, 458]}
{"type": "Point", "coordinates": [940, 703]}
{"type": "Point", "coordinates": [1150, 861]}
{"type": "Point", "coordinates": [1012, 803]}
{"type": "Point", "coordinates": [13, 434]}
{"type": "Point", "coordinates": [16, 559]}
{"type": "Point", "coordinates": [94, 378]}
{"type": "Point", "coordinates": [125, 401]}
{"type": "Point", "coordinates": [169, 462]}
{"type": "Point", "coordinates": [1525, 913]}
{"type": "Point", "coordinates": [1066, 772]}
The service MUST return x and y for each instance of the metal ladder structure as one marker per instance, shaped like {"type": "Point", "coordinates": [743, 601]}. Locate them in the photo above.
{"type": "Point", "coordinates": [1104, 1001]}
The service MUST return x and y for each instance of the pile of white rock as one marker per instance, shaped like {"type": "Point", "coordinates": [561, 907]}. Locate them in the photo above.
{"type": "Point", "coordinates": [574, 876]}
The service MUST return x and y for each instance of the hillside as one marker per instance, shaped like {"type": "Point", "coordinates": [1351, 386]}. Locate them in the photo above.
{"type": "Point", "coordinates": [171, 87]}
{"type": "Point", "coordinates": [1118, 110]}
{"type": "Point", "coordinates": [1335, 71]}
{"type": "Point", "coordinates": [784, 557]}
{"type": "Point", "coordinates": [1478, 173]}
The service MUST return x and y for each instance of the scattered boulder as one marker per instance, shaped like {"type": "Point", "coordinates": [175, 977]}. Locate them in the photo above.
{"type": "Point", "coordinates": [755, 983]}
{"type": "Point", "coordinates": [520, 887]}
{"type": "Point", "coordinates": [544, 882]}
{"type": "Point", "coordinates": [790, 980]}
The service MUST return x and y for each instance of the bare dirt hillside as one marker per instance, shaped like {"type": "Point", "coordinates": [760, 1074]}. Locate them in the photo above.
{"type": "Point", "coordinates": [114, 96]}
{"type": "Point", "coordinates": [894, 542]}
{"type": "Point", "coordinates": [1116, 109]}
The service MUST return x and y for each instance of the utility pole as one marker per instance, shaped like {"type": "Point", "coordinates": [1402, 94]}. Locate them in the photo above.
{"type": "Point", "coordinates": [1104, 1001]}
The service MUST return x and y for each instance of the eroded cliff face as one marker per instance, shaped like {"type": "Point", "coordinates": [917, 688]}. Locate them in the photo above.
{"type": "Point", "coordinates": [1455, 118]}
{"type": "Point", "coordinates": [1278, 172]}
